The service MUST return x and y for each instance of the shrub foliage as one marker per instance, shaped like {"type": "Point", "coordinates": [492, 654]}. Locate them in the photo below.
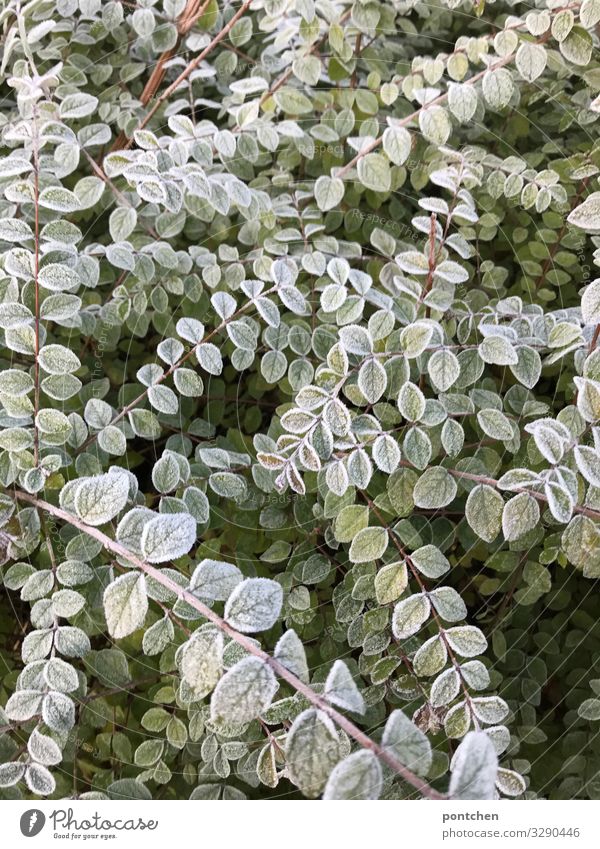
{"type": "Point", "coordinates": [299, 400]}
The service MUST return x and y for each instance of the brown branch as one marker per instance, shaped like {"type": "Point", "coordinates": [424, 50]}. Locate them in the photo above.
{"type": "Point", "coordinates": [36, 262]}
{"type": "Point", "coordinates": [585, 511]}
{"type": "Point", "coordinates": [191, 66]}
{"type": "Point", "coordinates": [594, 340]}
{"type": "Point", "coordinates": [245, 642]}
{"type": "Point", "coordinates": [187, 19]}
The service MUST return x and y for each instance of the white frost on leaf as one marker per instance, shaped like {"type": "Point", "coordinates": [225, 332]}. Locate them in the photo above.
{"type": "Point", "coordinates": [125, 604]}
{"type": "Point", "coordinates": [289, 651]}
{"type": "Point", "coordinates": [98, 499]}
{"type": "Point", "coordinates": [254, 605]}
{"type": "Point", "coordinates": [359, 776]}
{"type": "Point", "coordinates": [312, 750]}
{"type": "Point", "coordinates": [341, 690]}
{"type": "Point", "coordinates": [168, 536]}
{"type": "Point", "coordinates": [215, 580]}
{"type": "Point", "coordinates": [474, 767]}
{"type": "Point", "coordinates": [244, 692]}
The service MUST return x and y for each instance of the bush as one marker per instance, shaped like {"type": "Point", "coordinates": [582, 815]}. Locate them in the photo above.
{"type": "Point", "coordinates": [300, 392]}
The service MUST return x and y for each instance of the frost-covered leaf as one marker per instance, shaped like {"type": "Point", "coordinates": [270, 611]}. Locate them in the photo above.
{"type": "Point", "coordinates": [168, 537]}
{"type": "Point", "coordinates": [520, 515]}
{"type": "Point", "coordinates": [445, 688]}
{"type": "Point", "coordinates": [359, 776]}
{"type": "Point", "coordinates": [483, 510]}
{"type": "Point", "coordinates": [390, 582]}
{"type": "Point", "coordinates": [474, 768]}
{"type": "Point", "coordinates": [312, 750]}
{"type": "Point", "coordinates": [202, 661]}
{"type": "Point", "coordinates": [125, 604]}
{"type": "Point", "coordinates": [341, 690]}
{"type": "Point", "coordinates": [44, 749]}
{"type": "Point", "coordinates": [99, 499]}
{"type": "Point", "coordinates": [407, 743]}
{"type": "Point", "coordinates": [215, 579]}
{"type": "Point", "coordinates": [329, 192]}
{"type": "Point", "coordinates": [254, 605]}
{"type": "Point", "coordinates": [586, 216]}
{"type": "Point", "coordinates": [435, 488]}
{"type": "Point", "coordinates": [40, 780]}
{"type": "Point", "coordinates": [368, 544]}
{"type": "Point", "coordinates": [409, 616]}
{"type": "Point", "coordinates": [244, 692]}
{"type": "Point", "coordinates": [590, 303]}
{"type": "Point", "coordinates": [374, 172]}
{"type": "Point", "coordinates": [466, 640]}
{"type": "Point", "coordinates": [290, 652]}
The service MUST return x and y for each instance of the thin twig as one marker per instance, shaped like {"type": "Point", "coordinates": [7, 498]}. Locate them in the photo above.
{"type": "Point", "coordinates": [188, 70]}
{"type": "Point", "coordinates": [246, 642]}
{"type": "Point", "coordinates": [36, 270]}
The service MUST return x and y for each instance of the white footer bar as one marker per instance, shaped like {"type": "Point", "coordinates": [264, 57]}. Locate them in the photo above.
{"type": "Point", "coordinates": [302, 825]}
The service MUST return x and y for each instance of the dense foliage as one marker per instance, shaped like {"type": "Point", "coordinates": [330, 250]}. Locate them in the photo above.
{"type": "Point", "coordinates": [299, 399]}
